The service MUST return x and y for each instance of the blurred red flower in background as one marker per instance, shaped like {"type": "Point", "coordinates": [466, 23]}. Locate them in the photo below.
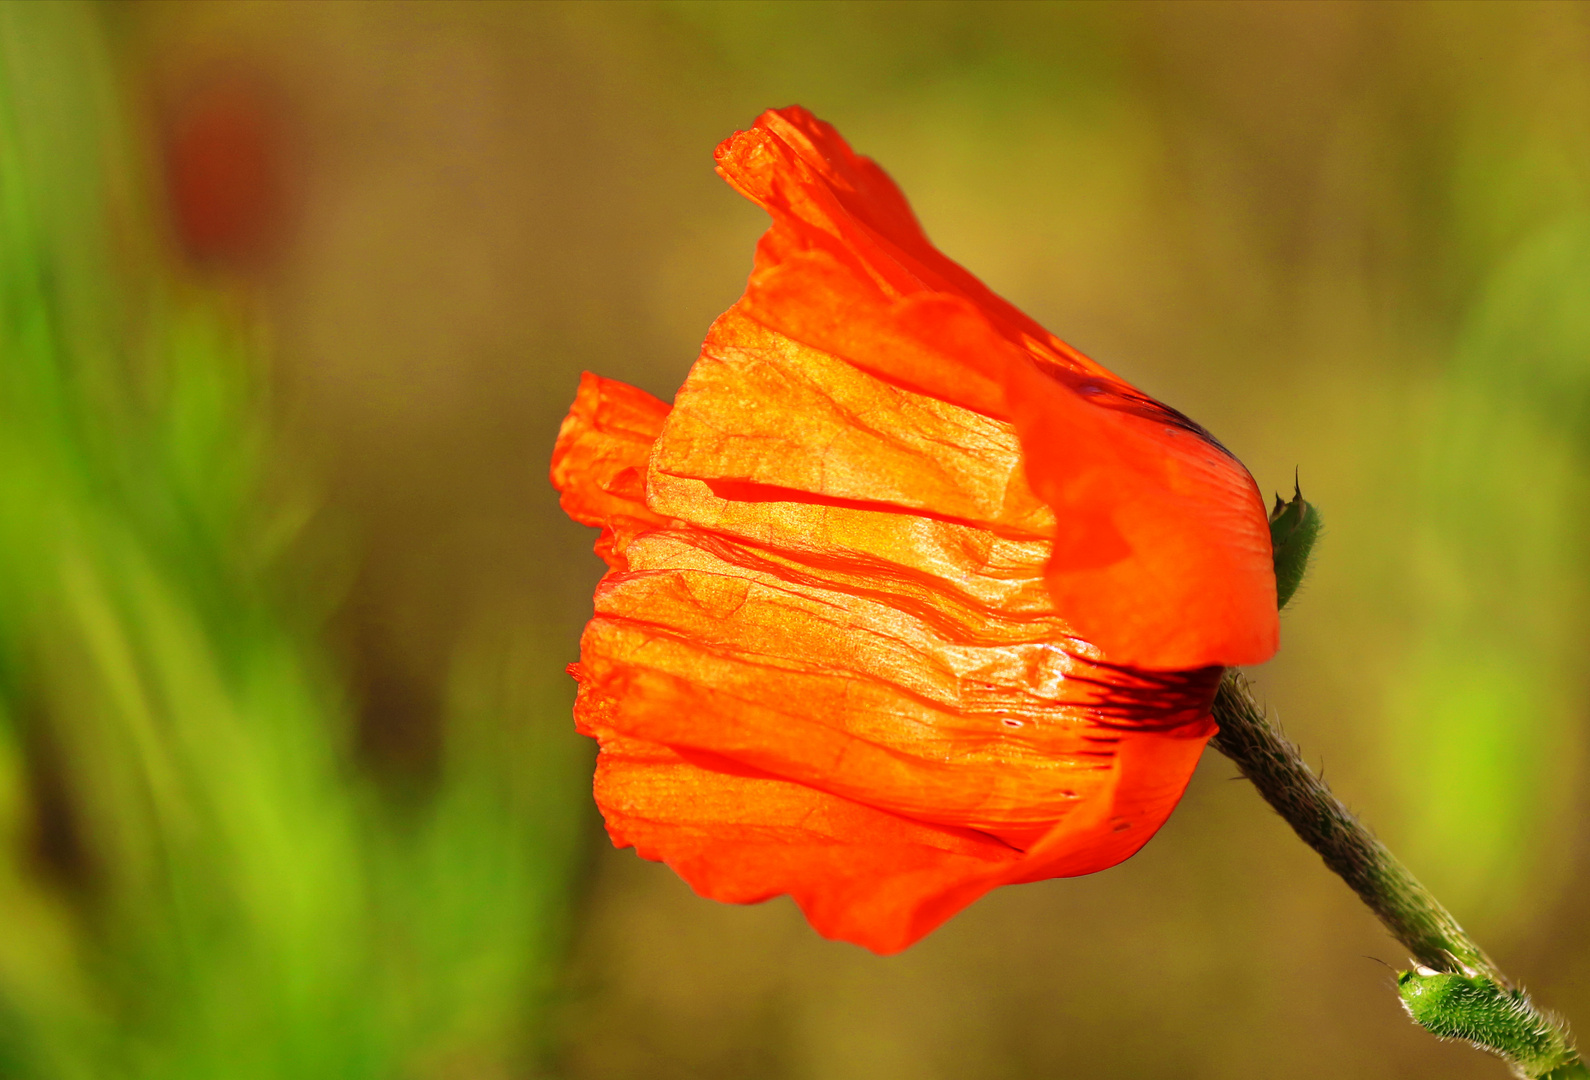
{"type": "Point", "coordinates": [224, 171]}
{"type": "Point", "coordinates": [907, 598]}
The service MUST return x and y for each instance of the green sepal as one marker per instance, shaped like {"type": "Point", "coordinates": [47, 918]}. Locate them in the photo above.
{"type": "Point", "coordinates": [1294, 526]}
{"type": "Point", "coordinates": [1480, 1011]}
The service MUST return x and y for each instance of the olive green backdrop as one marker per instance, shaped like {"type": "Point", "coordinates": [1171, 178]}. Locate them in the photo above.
{"type": "Point", "coordinates": [1350, 238]}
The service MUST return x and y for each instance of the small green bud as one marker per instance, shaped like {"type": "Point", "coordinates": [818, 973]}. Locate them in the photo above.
{"type": "Point", "coordinates": [1294, 526]}
{"type": "Point", "coordinates": [1478, 1010]}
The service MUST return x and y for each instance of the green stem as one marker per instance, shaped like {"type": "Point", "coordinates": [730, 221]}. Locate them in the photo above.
{"type": "Point", "coordinates": [1407, 908]}
{"type": "Point", "coordinates": [1273, 764]}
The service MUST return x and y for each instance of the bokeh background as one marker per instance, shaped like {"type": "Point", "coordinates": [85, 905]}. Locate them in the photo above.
{"type": "Point", "coordinates": [295, 295]}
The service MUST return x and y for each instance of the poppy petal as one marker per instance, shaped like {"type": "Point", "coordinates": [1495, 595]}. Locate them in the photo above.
{"type": "Point", "coordinates": [859, 874]}
{"type": "Point", "coordinates": [933, 343]}
{"type": "Point", "coordinates": [822, 195]}
{"type": "Point", "coordinates": [599, 460]}
{"type": "Point", "coordinates": [1158, 559]}
{"type": "Point", "coordinates": [1162, 555]}
{"type": "Point", "coordinates": [761, 409]}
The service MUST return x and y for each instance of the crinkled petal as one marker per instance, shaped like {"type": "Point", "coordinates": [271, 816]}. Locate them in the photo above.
{"type": "Point", "coordinates": [1162, 556]}
{"type": "Point", "coordinates": [859, 874]}
{"type": "Point", "coordinates": [824, 196]}
{"type": "Point", "coordinates": [736, 835]}
{"type": "Point", "coordinates": [761, 409]}
{"type": "Point", "coordinates": [941, 713]}
{"type": "Point", "coordinates": [599, 460]}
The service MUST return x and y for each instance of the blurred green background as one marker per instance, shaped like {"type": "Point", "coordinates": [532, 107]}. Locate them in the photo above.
{"type": "Point", "coordinates": [286, 782]}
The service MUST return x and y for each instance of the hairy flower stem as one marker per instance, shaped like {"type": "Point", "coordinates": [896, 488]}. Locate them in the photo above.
{"type": "Point", "coordinates": [1273, 764]}
{"type": "Point", "coordinates": [1433, 937]}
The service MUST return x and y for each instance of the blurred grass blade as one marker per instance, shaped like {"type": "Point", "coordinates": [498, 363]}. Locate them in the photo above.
{"type": "Point", "coordinates": [198, 882]}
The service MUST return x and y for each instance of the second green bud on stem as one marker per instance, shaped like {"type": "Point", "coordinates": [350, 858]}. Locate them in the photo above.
{"type": "Point", "coordinates": [1479, 1010]}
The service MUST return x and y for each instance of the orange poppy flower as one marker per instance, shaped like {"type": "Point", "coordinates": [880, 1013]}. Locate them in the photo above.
{"type": "Point", "coordinates": [907, 598]}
